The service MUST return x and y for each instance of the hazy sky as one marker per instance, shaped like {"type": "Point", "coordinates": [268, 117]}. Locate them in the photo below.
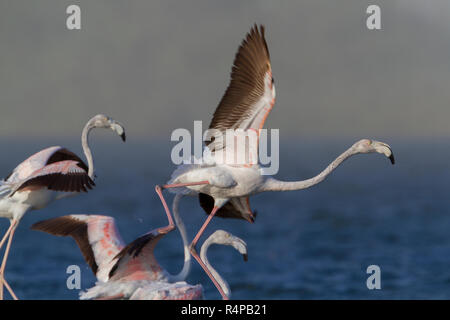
{"type": "Point", "coordinates": [160, 65]}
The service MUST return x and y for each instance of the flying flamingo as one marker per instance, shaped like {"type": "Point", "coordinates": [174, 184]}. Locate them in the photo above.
{"type": "Point", "coordinates": [224, 187]}
{"type": "Point", "coordinates": [50, 174]}
{"type": "Point", "coordinates": [131, 271]}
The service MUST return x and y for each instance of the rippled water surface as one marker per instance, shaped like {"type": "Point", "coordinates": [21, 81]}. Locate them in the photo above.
{"type": "Point", "coordinates": [310, 244]}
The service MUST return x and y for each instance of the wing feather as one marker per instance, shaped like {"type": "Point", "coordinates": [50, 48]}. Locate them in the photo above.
{"type": "Point", "coordinates": [65, 176]}
{"type": "Point", "coordinates": [96, 236]}
{"type": "Point", "coordinates": [248, 100]}
{"type": "Point", "coordinates": [69, 226]}
{"type": "Point", "coordinates": [41, 159]}
{"type": "Point", "coordinates": [248, 85]}
{"type": "Point", "coordinates": [137, 259]}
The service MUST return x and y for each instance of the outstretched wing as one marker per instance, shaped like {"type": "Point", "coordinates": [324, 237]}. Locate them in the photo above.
{"type": "Point", "coordinates": [136, 261]}
{"type": "Point", "coordinates": [65, 176]}
{"type": "Point", "coordinates": [250, 95]}
{"type": "Point", "coordinates": [41, 159]}
{"type": "Point", "coordinates": [236, 208]}
{"type": "Point", "coordinates": [96, 236]}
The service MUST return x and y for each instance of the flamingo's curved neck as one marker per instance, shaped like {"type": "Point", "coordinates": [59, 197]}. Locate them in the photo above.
{"type": "Point", "coordinates": [87, 151]}
{"type": "Point", "coordinates": [272, 184]}
{"type": "Point", "coordinates": [222, 283]}
{"type": "Point", "coordinates": [187, 256]}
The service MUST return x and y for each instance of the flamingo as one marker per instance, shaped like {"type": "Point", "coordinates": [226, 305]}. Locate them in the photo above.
{"type": "Point", "coordinates": [158, 291]}
{"type": "Point", "coordinates": [224, 188]}
{"type": "Point", "coordinates": [50, 174]}
{"type": "Point", "coordinates": [132, 271]}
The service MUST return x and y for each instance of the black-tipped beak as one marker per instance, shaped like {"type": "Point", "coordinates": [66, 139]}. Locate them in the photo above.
{"type": "Point", "coordinates": [124, 138]}
{"type": "Point", "coordinates": [245, 257]}
{"type": "Point", "coordinates": [391, 157]}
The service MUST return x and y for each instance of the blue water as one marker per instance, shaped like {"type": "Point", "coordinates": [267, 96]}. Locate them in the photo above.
{"type": "Point", "coordinates": [310, 244]}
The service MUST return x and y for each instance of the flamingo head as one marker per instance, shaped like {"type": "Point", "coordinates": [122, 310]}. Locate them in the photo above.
{"type": "Point", "coordinates": [370, 146]}
{"type": "Point", "coordinates": [102, 121]}
{"type": "Point", "coordinates": [226, 238]}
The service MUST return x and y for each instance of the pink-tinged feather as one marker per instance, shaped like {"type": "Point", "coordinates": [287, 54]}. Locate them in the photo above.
{"type": "Point", "coordinates": [64, 176]}
{"type": "Point", "coordinates": [96, 236]}
{"type": "Point", "coordinates": [32, 164]}
{"type": "Point", "coordinates": [137, 261]}
{"type": "Point", "coordinates": [105, 242]}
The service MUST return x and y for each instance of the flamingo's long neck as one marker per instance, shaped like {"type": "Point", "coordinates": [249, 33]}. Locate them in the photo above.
{"type": "Point", "coordinates": [187, 256]}
{"type": "Point", "coordinates": [86, 149]}
{"type": "Point", "coordinates": [222, 283]}
{"type": "Point", "coordinates": [272, 184]}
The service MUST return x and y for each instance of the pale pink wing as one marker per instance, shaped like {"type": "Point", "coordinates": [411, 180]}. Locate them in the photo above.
{"type": "Point", "coordinates": [137, 260]}
{"type": "Point", "coordinates": [41, 159]}
{"type": "Point", "coordinates": [248, 99]}
{"type": "Point", "coordinates": [30, 165]}
{"type": "Point", "coordinates": [96, 236]}
{"type": "Point", "coordinates": [65, 176]}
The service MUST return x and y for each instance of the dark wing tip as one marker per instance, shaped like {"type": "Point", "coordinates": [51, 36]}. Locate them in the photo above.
{"type": "Point", "coordinates": [68, 226]}
{"type": "Point", "coordinates": [245, 257]}
{"type": "Point", "coordinates": [60, 226]}
{"type": "Point", "coordinates": [257, 33]}
{"type": "Point", "coordinates": [90, 183]}
{"type": "Point", "coordinates": [133, 249]}
{"type": "Point", "coordinates": [57, 181]}
{"type": "Point", "coordinates": [123, 136]}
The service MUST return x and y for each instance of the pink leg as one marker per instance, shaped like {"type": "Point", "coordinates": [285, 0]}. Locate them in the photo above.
{"type": "Point", "coordinates": [10, 290]}
{"type": "Point", "coordinates": [199, 233]}
{"type": "Point", "coordinates": [159, 189]}
{"type": "Point", "coordinates": [171, 225]}
{"type": "Point", "coordinates": [11, 226]}
{"type": "Point", "coordinates": [195, 255]}
{"type": "Point", "coordinates": [5, 258]}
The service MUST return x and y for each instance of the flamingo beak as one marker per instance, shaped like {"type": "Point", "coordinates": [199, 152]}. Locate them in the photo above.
{"type": "Point", "coordinates": [118, 128]}
{"type": "Point", "coordinates": [385, 149]}
{"type": "Point", "coordinates": [388, 152]}
{"type": "Point", "coordinates": [240, 246]}
{"type": "Point", "coordinates": [391, 157]}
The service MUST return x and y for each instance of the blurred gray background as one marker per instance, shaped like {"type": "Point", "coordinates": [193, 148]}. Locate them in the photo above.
{"type": "Point", "coordinates": [159, 65]}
